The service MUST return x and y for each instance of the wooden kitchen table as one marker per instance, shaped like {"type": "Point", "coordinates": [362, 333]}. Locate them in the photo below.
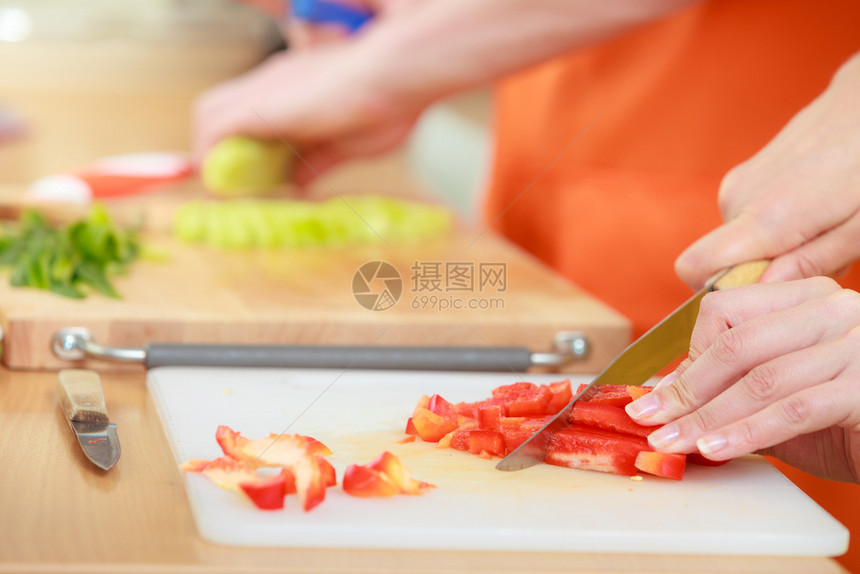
{"type": "Point", "coordinates": [62, 514]}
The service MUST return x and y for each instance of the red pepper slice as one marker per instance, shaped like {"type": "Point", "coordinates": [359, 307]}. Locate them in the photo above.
{"type": "Point", "coordinates": [432, 419]}
{"type": "Point", "coordinates": [266, 493]}
{"type": "Point", "coordinates": [661, 464]}
{"type": "Point", "coordinates": [311, 480]}
{"type": "Point", "coordinates": [525, 399]}
{"type": "Point", "coordinates": [589, 448]}
{"type": "Point", "coordinates": [304, 470]}
{"type": "Point", "coordinates": [561, 395]}
{"type": "Point", "coordinates": [602, 436]}
{"type": "Point", "coordinates": [430, 426]}
{"type": "Point", "coordinates": [699, 458]}
{"type": "Point", "coordinates": [616, 395]}
{"type": "Point", "coordinates": [490, 442]}
{"type": "Point", "coordinates": [274, 450]}
{"type": "Point", "coordinates": [607, 417]}
{"type": "Point", "coordinates": [490, 417]}
{"type": "Point", "coordinates": [384, 476]}
{"type": "Point", "coordinates": [365, 482]}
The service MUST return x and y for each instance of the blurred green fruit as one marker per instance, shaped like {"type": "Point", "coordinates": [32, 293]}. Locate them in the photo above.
{"type": "Point", "coordinates": [245, 166]}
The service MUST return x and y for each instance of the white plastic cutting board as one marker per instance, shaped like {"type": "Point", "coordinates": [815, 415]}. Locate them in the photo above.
{"type": "Point", "coordinates": [745, 507]}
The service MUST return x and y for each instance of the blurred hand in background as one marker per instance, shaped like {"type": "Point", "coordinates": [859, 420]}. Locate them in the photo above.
{"type": "Point", "coordinates": [336, 96]}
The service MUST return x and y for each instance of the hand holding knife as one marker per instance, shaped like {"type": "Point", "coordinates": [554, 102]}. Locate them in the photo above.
{"type": "Point", "coordinates": [664, 343]}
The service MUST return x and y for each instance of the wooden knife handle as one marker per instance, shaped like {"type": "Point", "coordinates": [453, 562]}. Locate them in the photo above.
{"type": "Point", "coordinates": [81, 396]}
{"type": "Point", "coordinates": [742, 274]}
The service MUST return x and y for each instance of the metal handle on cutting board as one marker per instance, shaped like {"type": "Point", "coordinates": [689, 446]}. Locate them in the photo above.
{"type": "Point", "coordinates": [76, 343]}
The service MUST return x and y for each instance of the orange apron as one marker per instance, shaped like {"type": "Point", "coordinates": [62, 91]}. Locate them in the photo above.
{"type": "Point", "coordinates": [608, 160]}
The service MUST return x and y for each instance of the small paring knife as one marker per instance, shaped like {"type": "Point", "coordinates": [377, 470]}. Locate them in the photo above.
{"type": "Point", "coordinates": [664, 343]}
{"type": "Point", "coordinates": [83, 403]}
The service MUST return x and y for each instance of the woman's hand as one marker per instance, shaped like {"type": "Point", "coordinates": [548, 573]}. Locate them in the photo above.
{"type": "Point", "coordinates": [317, 100]}
{"type": "Point", "coordinates": [773, 369]}
{"type": "Point", "coordinates": [797, 201]}
{"type": "Point", "coordinates": [350, 96]}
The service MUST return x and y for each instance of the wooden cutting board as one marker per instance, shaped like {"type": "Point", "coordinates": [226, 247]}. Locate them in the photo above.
{"type": "Point", "coordinates": [746, 507]}
{"type": "Point", "coordinates": [304, 296]}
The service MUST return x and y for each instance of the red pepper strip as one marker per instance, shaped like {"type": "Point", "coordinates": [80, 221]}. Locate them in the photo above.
{"type": "Point", "coordinates": [269, 494]}
{"type": "Point", "coordinates": [490, 442]}
{"type": "Point", "coordinates": [699, 458]}
{"type": "Point", "coordinates": [561, 395]}
{"type": "Point", "coordinates": [311, 480]}
{"type": "Point", "coordinates": [384, 476]}
{"type": "Point", "coordinates": [430, 426]}
{"type": "Point", "coordinates": [594, 449]}
{"type": "Point", "coordinates": [616, 395]}
{"type": "Point", "coordinates": [230, 474]}
{"type": "Point", "coordinates": [364, 482]}
{"type": "Point", "coordinates": [662, 464]}
{"type": "Point", "coordinates": [274, 450]}
{"type": "Point", "coordinates": [607, 417]}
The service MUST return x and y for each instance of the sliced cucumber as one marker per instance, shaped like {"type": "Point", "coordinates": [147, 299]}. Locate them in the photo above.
{"type": "Point", "coordinates": [259, 223]}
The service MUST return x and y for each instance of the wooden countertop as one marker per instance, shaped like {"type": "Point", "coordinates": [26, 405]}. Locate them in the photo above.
{"type": "Point", "coordinates": [62, 514]}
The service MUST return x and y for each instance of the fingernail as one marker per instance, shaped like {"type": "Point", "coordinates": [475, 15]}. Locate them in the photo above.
{"type": "Point", "coordinates": [711, 444]}
{"type": "Point", "coordinates": [667, 380]}
{"type": "Point", "coordinates": [664, 436]}
{"type": "Point", "coordinates": [643, 407]}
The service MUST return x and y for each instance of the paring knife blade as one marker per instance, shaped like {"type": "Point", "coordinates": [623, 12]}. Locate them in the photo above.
{"type": "Point", "coordinates": [83, 403]}
{"type": "Point", "coordinates": [664, 343]}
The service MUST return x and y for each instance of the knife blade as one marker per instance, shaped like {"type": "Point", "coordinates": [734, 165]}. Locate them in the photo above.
{"type": "Point", "coordinates": [640, 361]}
{"type": "Point", "coordinates": [83, 402]}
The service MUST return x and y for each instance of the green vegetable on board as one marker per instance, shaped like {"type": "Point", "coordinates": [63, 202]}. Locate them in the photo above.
{"type": "Point", "coordinates": [67, 260]}
{"type": "Point", "coordinates": [339, 221]}
{"type": "Point", "coordinates": [238, 166]}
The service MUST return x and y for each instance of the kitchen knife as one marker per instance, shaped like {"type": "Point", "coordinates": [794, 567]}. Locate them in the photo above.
{"type": "Point", "coordinates": [664, 343]}
{"type": "Point", "coordinates": [83, 403]}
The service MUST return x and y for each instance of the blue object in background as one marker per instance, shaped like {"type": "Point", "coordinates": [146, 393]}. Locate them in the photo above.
{"type": "Point", "coordinates": [325, 12]}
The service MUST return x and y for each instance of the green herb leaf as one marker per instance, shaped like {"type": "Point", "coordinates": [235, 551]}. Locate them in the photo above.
{"type": "Point", "coordinates": [69, 259]}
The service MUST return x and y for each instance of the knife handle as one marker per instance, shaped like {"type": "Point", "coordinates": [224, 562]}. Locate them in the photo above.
{"type": "Point", "coordinates": [81, 396]}
{"type": "Point", "coordinates": [742, 274]}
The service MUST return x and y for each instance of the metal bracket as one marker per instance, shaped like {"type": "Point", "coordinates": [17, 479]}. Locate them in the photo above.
{"type": "Point", "coordinates": [76, 343]}
{"type": "Point", "coordinates": [568, 347]}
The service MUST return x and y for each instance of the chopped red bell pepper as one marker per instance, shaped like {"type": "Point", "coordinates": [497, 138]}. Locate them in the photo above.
{"type": "Point", "coordinates": [432, 419]}
{"type": "Point", "coordinates": [490, 442]}
{"type": "Point", "coordinates": [384, 476]}
{"type": "Point", "coordinates": [274, 450]}
{"type": "Point", "coordinates": [616, 395]}
{"type": "Point", "coordinates": [607, 417]}
{"type": "Point", "coordinates": [266, 493]}
{"type": "Point", "coordinates": [561, 395]}
{"type": "Point", "coordinates": [661, 464]}
{"type": "Point", "coordinates": [699, 458]}
{"type": "Point", "coordinates": [525, 399]}
{"type": "Point", "coordinates": [602, 437]}
{"type": "Point", "coordinates": [490, 417]}
{"type": "Point", "coordinates": [442, 408]}
{"type": "Point", "coordinates": [430, 426]}
{"type": "Point", "coordinates": [269, 493]}
{"type": "Point", "coordinates": [410, 428]}
{"type": "Point", "coordinates": [589, 448]}
{"type": "Point", "coordinates": [518, 430]}
{"type": "Point", "coordinates": [304, 470]}
{"type": "Point", "coordinates": [365, 482]}
{"type": "Point", "coordinates": [311, 480]}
